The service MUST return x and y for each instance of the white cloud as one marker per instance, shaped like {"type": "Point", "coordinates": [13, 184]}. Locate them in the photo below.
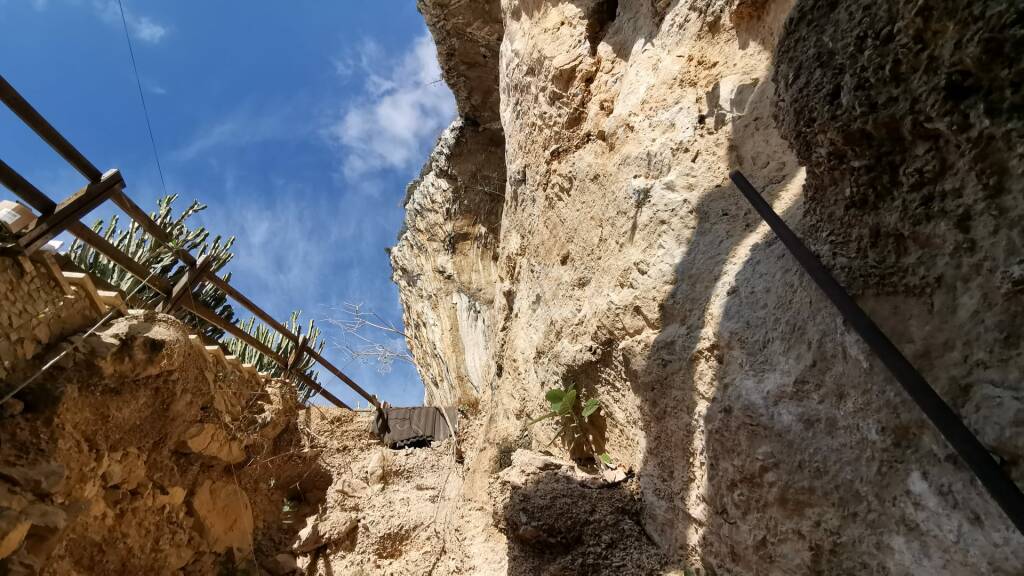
{"type": "Point", "coordinates": [400, 113]}
{"type": "Point", "coordinates": [146, 30]}
{"type": "Point", "coordinates": [142, 28]}
{"type": "Point", "coordinates": [245, 126]}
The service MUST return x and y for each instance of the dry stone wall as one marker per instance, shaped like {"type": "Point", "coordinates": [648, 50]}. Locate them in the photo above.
{"type": "Point", "coordinates": [35, 312]}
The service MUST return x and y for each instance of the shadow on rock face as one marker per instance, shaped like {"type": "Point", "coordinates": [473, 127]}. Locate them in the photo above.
{"type": "Point", "coordinates": [799, 454]}
{"type": "Point", "coordinates": [560, 521]}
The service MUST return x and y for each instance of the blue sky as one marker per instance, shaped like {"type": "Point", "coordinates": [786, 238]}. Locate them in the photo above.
{"type": "Point", "coordinates": [299, 124]}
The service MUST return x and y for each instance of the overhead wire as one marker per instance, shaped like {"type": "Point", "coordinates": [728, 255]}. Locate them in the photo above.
{"type": "Point", "coordinates": [142, 97]}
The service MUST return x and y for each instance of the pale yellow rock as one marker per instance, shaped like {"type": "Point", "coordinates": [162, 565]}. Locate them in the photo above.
{"type": "Point", "coordinates": [225, 516]}
{"type": "Point", "coordinates": [210, 440]}
{"type": "Point", "coordinates": [354, 488]}
{"type": "Point", "coordinates": [283, 564]}
{"type": "Point", "coordinates": [325, 531]}
{"type": "Point", "coordinates": [178, 557]}
{"type": "Point", "coordinates": [175, 496]}
{"type": "Point", "coordinates": [11, 536]}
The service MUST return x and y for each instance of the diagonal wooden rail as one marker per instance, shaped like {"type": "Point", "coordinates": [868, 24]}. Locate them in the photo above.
{"type": "Point", "coordinates": [56, 218]}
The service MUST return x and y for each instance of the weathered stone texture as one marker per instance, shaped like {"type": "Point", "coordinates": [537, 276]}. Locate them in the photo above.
{"type": "Point", "coordinates": [35, 313]}
{"type": "Point", "coordinates": [129, 458]}
{"type": "Point", "coordinates": [766, 438]}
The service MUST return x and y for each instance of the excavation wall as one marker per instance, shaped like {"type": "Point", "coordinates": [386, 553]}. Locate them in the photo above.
{"type": "Point", "coordinates": [614, 254]}
{"type": "Point", "coordinates": [141, 452]}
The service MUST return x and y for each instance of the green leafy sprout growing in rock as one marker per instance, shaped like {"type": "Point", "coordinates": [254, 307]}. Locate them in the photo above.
{"type": "Point", "coordinates": [575, 418]}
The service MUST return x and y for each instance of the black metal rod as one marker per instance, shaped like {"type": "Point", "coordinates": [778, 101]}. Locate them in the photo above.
{"type": "Point", "coordinates": [995, 480]}
{"type": "Point", "coordinates": [46, 131]}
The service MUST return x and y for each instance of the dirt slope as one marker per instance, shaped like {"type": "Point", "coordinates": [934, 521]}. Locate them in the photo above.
{"type": "Point", "coordinates": [143, 454]}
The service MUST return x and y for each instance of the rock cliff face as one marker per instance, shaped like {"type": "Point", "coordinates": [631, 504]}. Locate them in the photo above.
{"type": "Point", "coordinates": [577, 225]}
{"type": "Point", "coordinates": [140, 453]}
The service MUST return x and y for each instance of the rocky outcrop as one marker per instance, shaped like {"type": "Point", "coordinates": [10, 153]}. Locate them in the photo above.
{"type": "Point", "coordinates": [468, 37]}
{"type": "Point", "coordinates": [617, 256]}
{"type": "Point", "coordinates": [445, 261]}
{"type": "Point", "coordinates": [141, 453]}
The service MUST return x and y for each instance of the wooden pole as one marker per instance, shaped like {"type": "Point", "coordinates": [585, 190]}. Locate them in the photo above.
{"type": "Point", "coordinates": [193, 275]}
{"type": "Point", "coordinates": [70, 211]}
{"type": "Point", "coordinates": [46, 131]}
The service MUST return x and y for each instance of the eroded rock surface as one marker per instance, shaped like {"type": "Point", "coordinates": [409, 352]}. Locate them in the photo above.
{"type": "Point", "coordinates": [764, 436]}
{"type": "Point", "coordinates": [127, 459]}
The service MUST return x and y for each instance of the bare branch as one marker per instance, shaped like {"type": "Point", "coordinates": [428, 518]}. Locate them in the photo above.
{"type": "Point", "coordinates": [367, 327]}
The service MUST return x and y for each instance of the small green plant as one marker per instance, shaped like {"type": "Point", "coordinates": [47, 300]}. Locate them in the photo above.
{"type": "Point", "coordinates": [577, 429]}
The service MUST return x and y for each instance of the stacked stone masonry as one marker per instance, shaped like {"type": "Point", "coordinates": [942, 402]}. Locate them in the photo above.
{"type": "Point", "coordinates": [35, 313]}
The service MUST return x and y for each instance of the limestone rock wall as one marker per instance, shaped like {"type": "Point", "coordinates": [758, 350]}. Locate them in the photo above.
{"type": "Point", "coordinates": [765, 437]}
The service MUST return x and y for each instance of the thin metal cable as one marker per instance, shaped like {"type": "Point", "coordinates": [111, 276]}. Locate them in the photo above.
{"type": "Point", "coordinates": [142, 98]}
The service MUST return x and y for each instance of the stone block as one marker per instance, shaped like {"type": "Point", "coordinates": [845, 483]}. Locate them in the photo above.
{"type": "Point", "coordinates": [15, 217]}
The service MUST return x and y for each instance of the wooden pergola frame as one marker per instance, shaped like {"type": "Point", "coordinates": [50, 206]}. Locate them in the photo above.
{"type": "Point", "coordinates": [66, 216]}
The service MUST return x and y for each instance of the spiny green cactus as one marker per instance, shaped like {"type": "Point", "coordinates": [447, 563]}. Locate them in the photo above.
{"type": "Point", "coordinates": [143, 248]}
{"type": "Point", "coordinates": [281, 345]}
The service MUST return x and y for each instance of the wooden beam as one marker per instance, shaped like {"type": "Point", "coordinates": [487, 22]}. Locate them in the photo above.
{"type": "Point", "coordinates": [113, 299]}
{"type": "Point", "coordinates": [149, 225]}
{"type": "Point", "coordinates": [162, 285]}
{"type": "Point", "coordinates": [193, 275]}
{"type": "Point", "coordinates": [47, 132]}
{"type": "Point", "coordinates": [45, 206]}
{"type": "Point", "coordinates": [211, 317]}
{"type": "Point", "coordinates": [101, 245]}
{"type": "Point", "coordinates": [56, 219]}
{"type": "Point", "coordinates": [270, 321]}
{"type": "Point", "coordinates": [344, 378]}
{"type": "Point", "coordinates": [125, 203]}
{"type": "Point", "coordinates": [68, 265]}
{"type": "Point", "coordinates": [50, 262]}
{"type": "Point", "coordinates": [85, 283]}
{"type": "Point", "coordinates": [249, 305]}
{"type": "Point", "coordinates": [216, 352]}
{"type": "Point", "coordinates": [25, 190]}
{"type": "Point", "coordinates": [321, 390]}
{"type": "Point", "coordinates": [295, 358]}
{"type": "Point", "coordinates": [71, 211]}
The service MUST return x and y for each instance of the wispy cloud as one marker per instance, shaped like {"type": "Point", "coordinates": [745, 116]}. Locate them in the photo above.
{"type": "Point", "coordinates": [142, 28]}
{"type": "Point", "coordinates": [243, 127]}
{"type": "Point", "coordinates": [399, 113]}
{"type": "Point", "coordinates": [293, 240]}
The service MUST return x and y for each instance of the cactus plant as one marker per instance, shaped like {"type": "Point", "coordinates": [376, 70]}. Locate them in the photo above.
{"type": "Point", "coordinates": [143, 248]}
{"type": "Point", "coordinates": [281, 345]}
